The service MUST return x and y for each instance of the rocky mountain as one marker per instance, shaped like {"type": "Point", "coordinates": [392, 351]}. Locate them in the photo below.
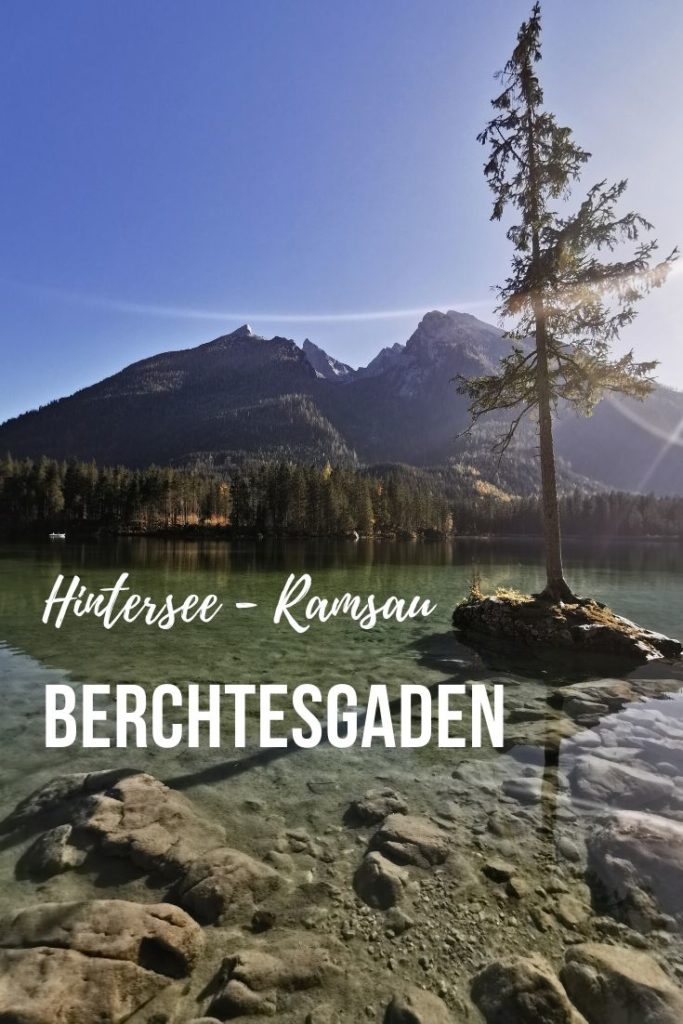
{"type": "Point", "coordinates": [325, 366]}
{"type": "Point", "coordinates": [385, 358]}
{"type": "Point", "coordinates": [242, 394]}
{"type": "Point", "coordinates": [237, 393]}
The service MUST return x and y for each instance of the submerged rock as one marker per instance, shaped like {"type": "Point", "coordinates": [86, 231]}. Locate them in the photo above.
{"type": "Point", "coordinates": [617, 985]}
{"type": "Point", "coordinates": [379, 882]}
{"type": "Point", "coordinates": [99, 960]}
{"type": "Point", "coordinates": [416, 1006]}
{"type": "Point", "coordinates": [522, 990]}
{"type": "Point", "coordinates": [46, 986]}
{"type": "Point", "coordinates": [52, 852]}
{"type": "Point", "coordinates": [498, 870]}
{"type": "Point", "coordinates": [614, 693]}
{"type": "Point", "coordinates": [396, 922]}
{"type": "Point", "coordinates": [524, 790]}
{"type": "Point", "coordinates": [411, 840]}
{"type": "Point", "coordinates": [570, 912]}
{"type": "Point", "coordinates": [157, 936]}
{"type": "Point", "coordinates": [517, 888]}
{"type": "Point", "coordinates": [57, 799]}
{"type": "Point", "coordinates": [253, 978]}
{"type": "Point", "coordinates": [137, 817]}
{"type": "Point", "coordinates": [156, 828]}
{"type": "Point", "coordinates": [374, 807]}
{"type": "Point", "coordinates": [223, 879]}
{"type": "Point", "coordinates": [637, 861]}
{"type": "Point", "coordinates": [610, 784]}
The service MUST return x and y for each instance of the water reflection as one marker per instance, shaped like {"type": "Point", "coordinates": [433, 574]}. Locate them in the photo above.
{"type": "Point", "coordinates": [204, 553]}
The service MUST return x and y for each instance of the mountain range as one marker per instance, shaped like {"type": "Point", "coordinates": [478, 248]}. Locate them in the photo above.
{"type": "Point", "coordinates": [244, 395]}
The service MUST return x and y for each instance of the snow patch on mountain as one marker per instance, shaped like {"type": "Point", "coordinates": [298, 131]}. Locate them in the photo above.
{"type": "Point", "coordinates": [326, 366]}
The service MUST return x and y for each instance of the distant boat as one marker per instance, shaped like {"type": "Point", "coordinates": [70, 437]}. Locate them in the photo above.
{"type": "Point", "coordinates": [355, 535]}
{"type": "Point", "coordinates": [57, 536]}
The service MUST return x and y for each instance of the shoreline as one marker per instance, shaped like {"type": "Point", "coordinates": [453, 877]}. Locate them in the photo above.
{"type": "Point", "coordinates": [191, 533]}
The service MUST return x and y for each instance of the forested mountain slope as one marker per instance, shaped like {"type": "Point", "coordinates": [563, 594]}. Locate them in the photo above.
{"type": "Point", "coordinates": [245, 395]}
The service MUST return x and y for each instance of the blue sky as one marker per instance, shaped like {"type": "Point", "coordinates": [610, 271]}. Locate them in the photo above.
{"type": "Point", "coordinates": [170, 169]}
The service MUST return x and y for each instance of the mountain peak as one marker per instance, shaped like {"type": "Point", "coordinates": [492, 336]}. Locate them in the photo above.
{"type": "Point", "coordinates": [437, 330]}
{"type": "Point", "coordinates": [386, 358]}
{"type": "Point", "coordinates": [325, 366]}
{"type": "Point", "coordinates": [272, 398]}
{"type": "Point", "coordinates": [245, 331]}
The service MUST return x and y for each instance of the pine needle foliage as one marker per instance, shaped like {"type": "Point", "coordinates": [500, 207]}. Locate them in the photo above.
{"type": "Point", "coordinates": [575, 278]}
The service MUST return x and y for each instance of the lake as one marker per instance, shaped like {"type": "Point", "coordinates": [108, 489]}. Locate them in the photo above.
{"type": "Point", "coordinates": [535, 804]}
{"type": "Point", "coordinates": [643, 581]}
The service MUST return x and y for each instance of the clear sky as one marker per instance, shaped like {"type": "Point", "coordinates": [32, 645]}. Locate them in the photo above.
{"type": "Point", "coordinates": [171, 169]}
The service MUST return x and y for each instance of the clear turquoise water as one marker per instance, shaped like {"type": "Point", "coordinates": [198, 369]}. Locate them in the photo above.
{"type": "Point", "coordinates": [308, 789]}
{"type": "Point", "coordinates": [644, 582]}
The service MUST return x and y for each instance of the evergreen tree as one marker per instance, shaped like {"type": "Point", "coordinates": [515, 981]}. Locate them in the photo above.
{"type": "Point", "coordinates": [569, 295]}
{"type": "Point", "coordinates": [290, 500]}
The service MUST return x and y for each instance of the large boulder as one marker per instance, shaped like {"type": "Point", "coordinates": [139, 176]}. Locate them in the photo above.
{"type": "Point", "coordinates": [153, 935]}
{"type": "Point", "coordinates": [617, 985]}
{"type": "Point", "coordinates": [156, 828]}
{"type": "Point", "coordinates": [611, 784]}
{"type": "Point", "coordinates": [252, 979]}
{"type": "Point", "coordinates": [76, 963]}
{"type": "Point", "coordinates": [136, 817]}
{"type": "Point", "coordinates": [61, 986]}
{"type": "Point", "coordinates": [222, 880]}
{"type": "Point", "coordinates": [411, 840]}
{"type": "Point", "coordinates": [124, 814]}
{"type": "Point", "coordinates": [637, 861]}
{"type": "Point", "coordinates": [522, 990]}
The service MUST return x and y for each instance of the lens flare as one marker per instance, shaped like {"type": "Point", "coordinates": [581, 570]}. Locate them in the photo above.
{"type": "Point", "coordinates": [674, 439]}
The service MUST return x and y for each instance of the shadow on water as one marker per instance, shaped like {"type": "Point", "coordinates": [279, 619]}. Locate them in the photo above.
{"type": "Point", "coordinates": [259, 758]}
{"type": "Point", "coordinates": [486, 658]}
{"type": "Point", "coordinates": [439, 651]}
{"type": "Point", "coordinates": [462, 663]}
{"type": "Point", "coordinates": [550, 667]}
{"type": "Point", "coordinates": [19, 826]}
{"type": "Point", "coordinates": [551, 671]}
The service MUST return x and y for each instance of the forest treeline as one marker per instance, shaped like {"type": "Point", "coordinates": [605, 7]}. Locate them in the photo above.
{"type": "Point", "coordinates": [296, 500]}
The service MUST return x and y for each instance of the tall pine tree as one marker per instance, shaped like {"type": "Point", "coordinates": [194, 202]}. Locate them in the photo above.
{"type": "Point", "coordinates": [571, 288]}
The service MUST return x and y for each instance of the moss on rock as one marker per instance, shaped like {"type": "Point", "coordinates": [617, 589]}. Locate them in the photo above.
{"type": "Point", "coordinates": [586, 626]}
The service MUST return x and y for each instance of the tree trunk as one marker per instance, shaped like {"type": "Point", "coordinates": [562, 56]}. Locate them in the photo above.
{"type": "Point", "coordinates": [556, 588]}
